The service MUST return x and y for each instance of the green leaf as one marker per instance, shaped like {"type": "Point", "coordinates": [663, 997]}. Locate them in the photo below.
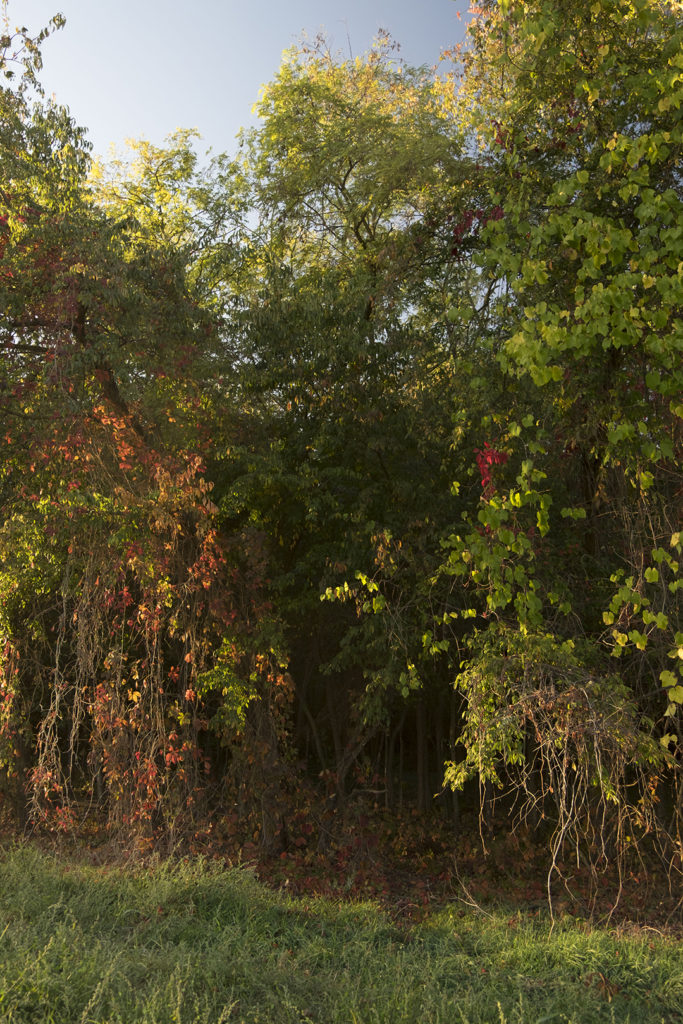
{"type": "Point", "coordinates": [638, 639]}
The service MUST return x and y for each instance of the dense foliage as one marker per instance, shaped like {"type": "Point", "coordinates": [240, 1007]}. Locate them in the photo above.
{"type": "Point", "coordinates": [351, 464]}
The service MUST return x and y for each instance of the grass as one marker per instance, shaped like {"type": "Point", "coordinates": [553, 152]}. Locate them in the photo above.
{"type": "Point", "coordinates": [192, 944]}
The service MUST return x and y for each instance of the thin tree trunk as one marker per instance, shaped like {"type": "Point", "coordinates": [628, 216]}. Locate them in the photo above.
{"type": "Point", "coordinates": [423, 795]}
{"type": "Point", "coordinates": [452, 739]}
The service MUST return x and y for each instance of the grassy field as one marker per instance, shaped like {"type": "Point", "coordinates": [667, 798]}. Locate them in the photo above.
{"type": "Point", "coordinates": [191, 944]}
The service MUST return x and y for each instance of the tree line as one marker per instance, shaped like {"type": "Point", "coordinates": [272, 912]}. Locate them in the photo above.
{"type": "Point", "coordinates": [349, 463]}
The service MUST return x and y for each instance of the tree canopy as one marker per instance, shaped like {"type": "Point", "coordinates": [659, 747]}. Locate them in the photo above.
{"type": "Point", "coordinates": [351, 462]}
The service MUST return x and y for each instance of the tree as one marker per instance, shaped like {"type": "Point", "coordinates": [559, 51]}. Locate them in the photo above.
{"type": "Point", "coordinates": [346, 386]}
{"type": "Point", "coordinates": [576, 112]}
{"type": "Point", "coordinates": [117, 589]}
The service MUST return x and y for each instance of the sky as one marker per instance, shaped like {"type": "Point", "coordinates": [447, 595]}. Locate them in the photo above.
{"type": "Point", "coordinates": [143, 68]}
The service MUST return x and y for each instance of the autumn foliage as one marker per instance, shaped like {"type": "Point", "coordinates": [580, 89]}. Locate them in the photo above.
{"type": "Point", "coordinates": [344, 477]}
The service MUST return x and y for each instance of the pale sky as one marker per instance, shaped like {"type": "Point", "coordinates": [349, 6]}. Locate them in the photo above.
{"type": "Point", "coordinates": [142, 68]}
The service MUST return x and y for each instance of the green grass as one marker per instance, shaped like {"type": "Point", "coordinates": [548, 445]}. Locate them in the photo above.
{"type": "Point", "coordinates": [190, 944]}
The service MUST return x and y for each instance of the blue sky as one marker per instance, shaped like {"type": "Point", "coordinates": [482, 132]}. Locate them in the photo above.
{"type": "Point", "coordinates": [142, 68]}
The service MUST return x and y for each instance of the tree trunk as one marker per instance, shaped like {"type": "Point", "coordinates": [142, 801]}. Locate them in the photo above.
{"type": "Point", "coordinates": [423, 793]}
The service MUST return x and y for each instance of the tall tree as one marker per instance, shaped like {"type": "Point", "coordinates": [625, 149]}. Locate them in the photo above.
{"type": "Point", "coordinates": [116, 586]}
{"type": "Point", "coordinates": [575, 549]}
{"type": "Point", "coordinates": [357, 175]}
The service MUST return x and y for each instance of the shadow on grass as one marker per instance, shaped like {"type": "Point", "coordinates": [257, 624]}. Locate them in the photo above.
{"type": "Point", "coordinates": [191, 943]}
